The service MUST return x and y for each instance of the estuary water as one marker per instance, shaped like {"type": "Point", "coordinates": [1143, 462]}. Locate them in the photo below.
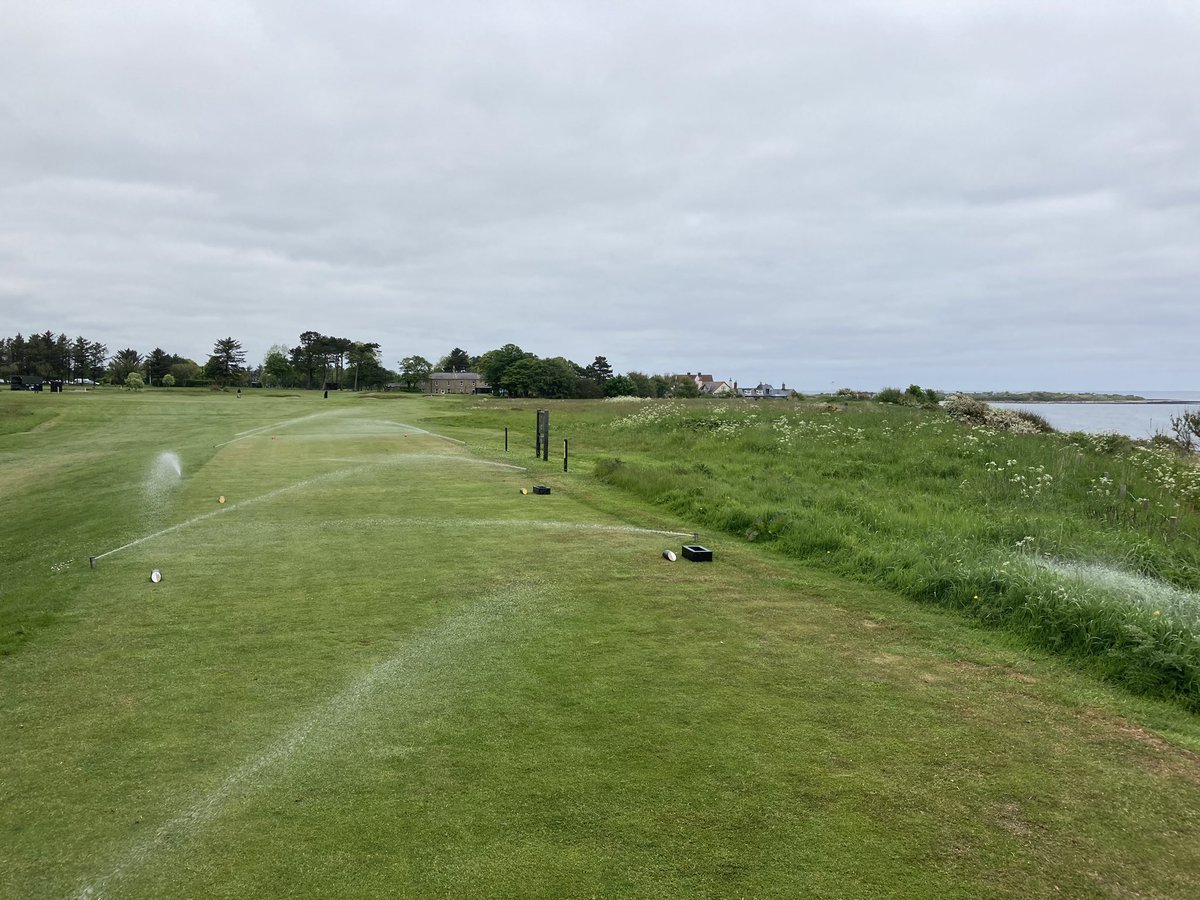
{"type": "Point", "coordinates": [1138, 420]}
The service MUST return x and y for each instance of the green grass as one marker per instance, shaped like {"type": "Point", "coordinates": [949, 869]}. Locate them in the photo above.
{"type": "Point", "coordinates": [970, 519]}
{"type": "Point", "coordinates": [392, 674]}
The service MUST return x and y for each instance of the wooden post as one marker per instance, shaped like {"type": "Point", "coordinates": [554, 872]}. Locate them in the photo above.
{"type": "Point", "coordinates": [505, 438]}
{"type": "Point", "coordinates": [565, 448]}
{"type": "Point", "coordinates": [1122, 490]}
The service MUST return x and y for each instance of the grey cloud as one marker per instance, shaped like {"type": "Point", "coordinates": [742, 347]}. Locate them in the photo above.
{"type": "Point", "coordinates": [974, 194]}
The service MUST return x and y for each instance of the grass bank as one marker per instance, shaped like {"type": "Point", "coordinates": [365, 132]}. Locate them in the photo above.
{"type": "Point", "coordinates": [1085, 545]}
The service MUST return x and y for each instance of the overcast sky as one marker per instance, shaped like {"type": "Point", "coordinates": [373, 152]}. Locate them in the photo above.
{"type": "Point", "coordinates": [962, 194]}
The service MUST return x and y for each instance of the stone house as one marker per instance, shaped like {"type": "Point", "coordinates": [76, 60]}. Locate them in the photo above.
{"type": "Point", "coordinates": [455, 383]}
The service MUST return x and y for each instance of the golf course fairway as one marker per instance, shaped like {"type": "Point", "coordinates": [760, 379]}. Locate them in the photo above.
{"type": "Point", "coordinates": [379, 669]}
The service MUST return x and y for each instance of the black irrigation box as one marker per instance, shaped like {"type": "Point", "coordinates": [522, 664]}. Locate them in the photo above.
{"type": "Point", "coordinates": [696, 553]}
{"type": "Point", "coordinates": [540, 489]}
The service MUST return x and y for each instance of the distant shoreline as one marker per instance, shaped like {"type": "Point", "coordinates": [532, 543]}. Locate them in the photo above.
{"type": "Point", "coordinates": [1146, 402]}
{"type": "Point", "coordinates": [1077, 398]}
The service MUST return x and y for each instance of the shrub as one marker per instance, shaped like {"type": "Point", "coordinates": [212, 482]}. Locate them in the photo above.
{"type": "Point", "coordinates": [1187, 429]}
{"type": "Point", "coordinates": [1038, 422]}
{"type": "Point", "coordinates": [168, 380]}
{"type": "Point", "coordinates": [889, 395]}
{"type": "Point", "coordinates": [1011, 420]}
{"type": "Point", "coordinates": [960, 406]}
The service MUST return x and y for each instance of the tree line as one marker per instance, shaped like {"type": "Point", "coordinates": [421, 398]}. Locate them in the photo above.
{"type": "Point", "coordinates": [319, 361]}
{"type": "Point", "coordinates": [519, 373]}
{"type": "Point", "coordinates": [59, 357]}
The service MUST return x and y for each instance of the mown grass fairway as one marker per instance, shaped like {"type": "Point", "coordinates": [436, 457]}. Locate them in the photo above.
{"type": "Point", "coordinates": [380, 670]}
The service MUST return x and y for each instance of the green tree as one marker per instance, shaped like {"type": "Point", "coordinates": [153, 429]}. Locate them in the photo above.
{"type": "Point", "coordinates": [158, 364]}
{"type": "Point", "coordinates": [61, 356]}
{"type": "Point", "coordinates": [599, 370]}
{"type": "Point", "coordinates": [414, 370]}
{"type": "Point", "coordinates": [227, 363]}
{"type": "Point", "coordinates": [361, 354]}
{"type": "Point", "coordinates": [620, 386]}
{"type": "Point", "coordinates": [493, 364]}
{"type": "Point", "coordinates": [555, 378]}
{"type": "Point", "coordinates": [307, 357]}
{"type": "Point", "coordinates": [336, 351]}
{"type": "Point", "coordinates": [134, 381]}
{"type": "Point", "coordinates": [168, 380]}
{"type": "Point", "coordinates": [79, 348]}
{"type": "Point", "coordinates": [125, 361]}
{"type": "Point", "coordinates": [683, 386]}
{"type": "Point", "coordinates": [588, 388]}
{"type": "Point", "coordinates": [185, 371]}
{"type": "Point", "coordinates": [318, 354]}
{"type": "Point", "coordinates": [642, 385]}
{"type": "Point", "coordinates": [521, 377]}
{"type": "Point", "coordinates": [43, 356]}
{"type": "Point", "coordinates": [18, 355]}
{"type": "Point", "coordinates": [276, 370]}
{"type": "Point", "coordinates": [96, 354]}
{"type": "Point", "coordinates": [457, 360]}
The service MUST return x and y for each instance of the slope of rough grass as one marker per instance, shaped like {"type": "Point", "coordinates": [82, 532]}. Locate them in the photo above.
{"type": "Point", "coordinates": [939, 511]}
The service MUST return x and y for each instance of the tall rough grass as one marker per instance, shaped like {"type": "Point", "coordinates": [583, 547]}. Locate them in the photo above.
{"type": "Point", "coordinates": [950, 511]}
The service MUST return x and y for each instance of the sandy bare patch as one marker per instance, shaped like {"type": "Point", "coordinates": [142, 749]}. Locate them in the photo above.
{"type": "Point", "coordinates": [982, 670]}
{"type": "Point", "coordinates": [1168, 760]}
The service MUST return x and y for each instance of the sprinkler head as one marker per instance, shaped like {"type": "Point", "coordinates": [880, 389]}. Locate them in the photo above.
{"type": "Point", "coordinates": [155, 576]}
{"type": "Point", "coordinates": [524, 491]}
{"type": "Point", "coordinates": [669, 554]}
{"type": "Point", "coordinates": [221, 499]}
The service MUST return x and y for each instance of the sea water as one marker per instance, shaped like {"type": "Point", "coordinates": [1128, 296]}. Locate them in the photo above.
{"type": "Point", "coordinates": [1138, 420]}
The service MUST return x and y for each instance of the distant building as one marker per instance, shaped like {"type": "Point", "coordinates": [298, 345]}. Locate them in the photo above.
{"type": "Point", "coordinates": [707, 385]}
{"type": "Point", "coordinates": [765, 391]}
{"type": "Point", "coordinates": [455, 383]}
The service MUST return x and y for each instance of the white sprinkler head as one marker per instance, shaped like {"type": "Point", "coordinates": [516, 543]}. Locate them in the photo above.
{"type": "Point", "coordinates": [155, 576]}
{"type": "Point", "coordinates": [669, 554]}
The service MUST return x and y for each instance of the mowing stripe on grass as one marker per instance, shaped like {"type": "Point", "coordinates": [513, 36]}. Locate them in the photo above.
{"type": "Point", "coordinates": [541, 524]}
{"type": "Point", "coordinates": [242, 435]}
{"type": "Point", "coordinates": [307, 482]}
{"type": "Point", "coordinates": [426, 457]}
{"type": "Point", "coordinates": [414, 667]}
{"type": "Point", "coordinates": [263, 429]}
